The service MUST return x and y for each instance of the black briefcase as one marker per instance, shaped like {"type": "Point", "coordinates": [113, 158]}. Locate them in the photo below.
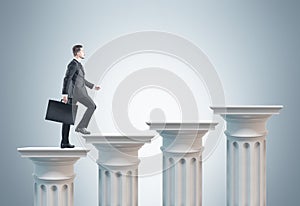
{"type": "Point", "coordinates": [58, 111]}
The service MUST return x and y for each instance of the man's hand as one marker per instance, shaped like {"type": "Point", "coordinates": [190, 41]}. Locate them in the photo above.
{"type": "Point", "coordinates": [97, 88]}
{"type": "Point", "coordinates": [65, 99]}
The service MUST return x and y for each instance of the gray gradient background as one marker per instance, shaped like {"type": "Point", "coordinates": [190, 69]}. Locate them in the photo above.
{"type": "Point", "coordinates": [253, 45]}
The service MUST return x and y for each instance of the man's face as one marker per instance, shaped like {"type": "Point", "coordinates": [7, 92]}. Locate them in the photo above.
{"type": "Point", "coordinates": [80, 54]}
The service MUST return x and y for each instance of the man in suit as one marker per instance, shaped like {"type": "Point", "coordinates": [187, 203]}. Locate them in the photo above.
{"type": "Point", "coordinates": [74, 90]}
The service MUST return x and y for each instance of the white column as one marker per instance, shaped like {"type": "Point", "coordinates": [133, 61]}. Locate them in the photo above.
{"type": "Point", "coordinates": [53, 174]}
{"type": "Point", "coordinates": [246, 152]}
{"type": "Point", "coordinates": [182, 163]}
{"type": "Point", "coordinates": [118, 167]}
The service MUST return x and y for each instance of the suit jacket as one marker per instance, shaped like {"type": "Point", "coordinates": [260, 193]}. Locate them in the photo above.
{"type": "Point", "coordinates": [74, 82]}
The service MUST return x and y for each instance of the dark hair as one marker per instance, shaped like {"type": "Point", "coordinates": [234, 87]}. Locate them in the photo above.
{"type": "Point", "coordinates": [76, 49]}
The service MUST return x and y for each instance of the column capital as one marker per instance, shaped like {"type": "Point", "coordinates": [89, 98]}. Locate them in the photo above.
{"type": "Point", "coordinates": [246, 111]}
{"type": "Point", "coordinates": [53, 163]}
{"type": "Point", "coordinates": [246, 121]}
{"type": "Point", "coordinates": [182, 137]}
{"type": "Point", "coordinates": [181, 126]}
{"type": "Point", "coordinates": [52, 152]}
{"type": "Point", "coordinates": [118, 140]}
{"type": "Point", "coordinates": [117, 151]}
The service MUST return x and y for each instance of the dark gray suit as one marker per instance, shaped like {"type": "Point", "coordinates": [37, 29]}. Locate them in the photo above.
{"type": "Point", "coordinates": [74, 86]}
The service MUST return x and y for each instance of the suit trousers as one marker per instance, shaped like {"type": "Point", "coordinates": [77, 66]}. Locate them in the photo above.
{"type": "Point", "coordinates": [84, 122]}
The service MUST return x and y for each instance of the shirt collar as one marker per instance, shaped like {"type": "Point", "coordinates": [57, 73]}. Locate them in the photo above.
{"type": "Point", "coordinates": [77, 60]}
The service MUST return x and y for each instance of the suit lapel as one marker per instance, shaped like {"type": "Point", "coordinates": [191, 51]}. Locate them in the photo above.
{"type": "Point", "coordinates": [81, 67]}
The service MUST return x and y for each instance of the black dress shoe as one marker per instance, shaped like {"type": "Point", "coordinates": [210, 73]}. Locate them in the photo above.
{"type": "Point", "coordinates": [62, 145]}
{"type": "Point", "coordinates": [82, 130]}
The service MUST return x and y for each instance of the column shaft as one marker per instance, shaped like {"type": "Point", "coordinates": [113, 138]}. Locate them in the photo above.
{"type": "Point", "coordinates": [53, 194]}
{"type": "Point", "coordinates": [182, 180]}
{"type": "Point", "coordinates": [246, 180]}
{"type": "Point", "coordinates": [118, 187]}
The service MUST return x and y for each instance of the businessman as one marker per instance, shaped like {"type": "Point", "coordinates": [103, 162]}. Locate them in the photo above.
{"type": "Point", "coordinates": [74, 90]}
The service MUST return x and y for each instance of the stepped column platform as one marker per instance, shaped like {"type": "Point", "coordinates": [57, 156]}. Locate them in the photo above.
{"type": "Point", "coordinates": [182, 161]}
{"type": "Point", "coordinates": [246, 152]}
{"type": "Point", "coordinates": [118, 167]}
{"type": "Point", "coordinates": [53, 173]}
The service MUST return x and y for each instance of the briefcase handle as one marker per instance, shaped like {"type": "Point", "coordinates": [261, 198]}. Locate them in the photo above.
{"type": "Point", "coordinates": [61, 100]}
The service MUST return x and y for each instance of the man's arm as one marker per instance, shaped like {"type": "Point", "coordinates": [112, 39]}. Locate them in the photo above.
{"type": "Point", "coordinates": [88, 84]}
{"type": "Point", "coordinates": [68, 78]}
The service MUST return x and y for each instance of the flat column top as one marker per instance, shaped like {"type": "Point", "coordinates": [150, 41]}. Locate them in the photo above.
{"type": "Point", "coordinates": [53, 152]}
{"type": "Point", "coordinates": [117, 138]}
{"type": "Point", "coordinates": [181, 125]}
{"type": "Point", "coordinates": [247, 109]}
